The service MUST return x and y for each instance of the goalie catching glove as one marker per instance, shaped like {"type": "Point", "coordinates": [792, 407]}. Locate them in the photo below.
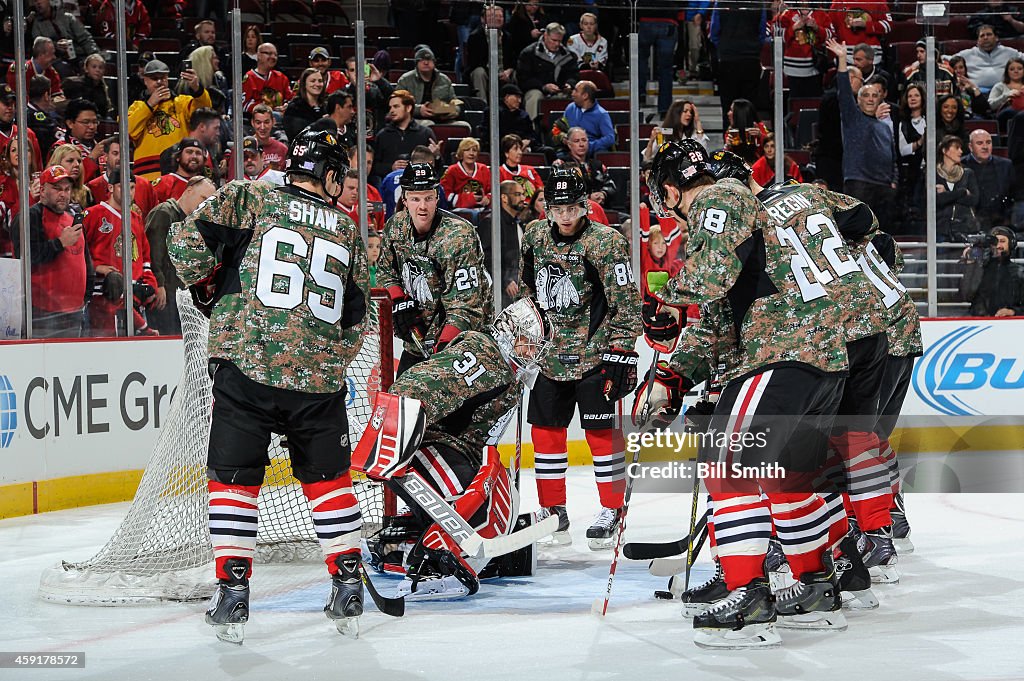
{"type": "Point", "coordinates": [666, 397]}
{"type": "Point", "coordinates": [618, 373]}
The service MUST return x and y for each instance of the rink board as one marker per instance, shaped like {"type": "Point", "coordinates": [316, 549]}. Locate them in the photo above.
{"type": "Point", "coordinates": [78, 420]}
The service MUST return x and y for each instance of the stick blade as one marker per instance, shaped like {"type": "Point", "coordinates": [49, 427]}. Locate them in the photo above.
{"type": "Point", "coordinates": [599, 607]}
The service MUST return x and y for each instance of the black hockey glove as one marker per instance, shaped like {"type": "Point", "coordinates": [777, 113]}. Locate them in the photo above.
{"type": "Point", "coordinates": [618, 373]}
{"type": "Point", "coordinates": [407, 318]}
{"type": "Point", "coordinates": [697, 418]}
{"type": "Point", "coordinates": [113, 286]}
{"type": "Point", "coordinates": [665, 403]}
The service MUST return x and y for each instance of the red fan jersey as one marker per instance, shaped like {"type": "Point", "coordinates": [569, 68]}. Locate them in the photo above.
{"type": "Point", "coordinates": [102, 226]}
{"type": "Point", "coordinates": [143, 201]}
{"type": "Point", "coordinates": [274, 89]}
{"type": "Point", "coordinates": [527, 177]}
{"type": "Point", "coordinates": [847, 16]}
{"type": "Point", "coordinates": [462, 186]}
{"type": "Point", "coordinates": [170, 186]}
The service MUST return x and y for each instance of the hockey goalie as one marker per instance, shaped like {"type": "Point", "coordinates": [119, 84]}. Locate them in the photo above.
{"type": "Point", "coordinates": [432, 439]}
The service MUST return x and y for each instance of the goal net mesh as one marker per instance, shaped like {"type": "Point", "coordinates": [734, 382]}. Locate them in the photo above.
{"type": "Point", "coordinates": [162, 550]}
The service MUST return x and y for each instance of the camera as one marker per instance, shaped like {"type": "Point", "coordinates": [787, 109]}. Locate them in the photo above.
{"type": "Point", "coordinates": [984, 241]}
{"type": "Point", "coordinates": [186, 65]}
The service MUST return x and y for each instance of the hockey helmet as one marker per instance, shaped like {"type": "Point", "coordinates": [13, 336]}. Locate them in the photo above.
{"type": "Point", "coordinates": [725, 163]}
{"type": "Point", "coordinates": [418, 177]}
{"type": "Point", "coordinates": [565, 187]}
{"type": "Point", "coordinates": [523, 336]}
{"type": "Point", "coordinates": [677, 163]}
{"type": "Point", "coordinates": [314, 152]}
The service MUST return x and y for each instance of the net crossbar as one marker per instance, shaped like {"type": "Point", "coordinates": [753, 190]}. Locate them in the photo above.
{"type": "Point", "coordinates": [162, 550]}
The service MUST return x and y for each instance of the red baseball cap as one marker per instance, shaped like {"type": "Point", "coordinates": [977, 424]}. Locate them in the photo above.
{"type": "Point", "coordinates": [54, 174]}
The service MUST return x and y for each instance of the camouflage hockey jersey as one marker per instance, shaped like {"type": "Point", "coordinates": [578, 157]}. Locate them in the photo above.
{"type": "Point", "coordinates": [735, 254]}
{"type": "Point", "coordinates": [584, 285]}
{"type": "Point", "coordinates": [468, 393]}
{"type": "Point", "coordinates": [292, 283]}
{"type": "Point", "coordinates": [903, 324]}
{"type": "Point", "coordinates": [443, 271]}
{"type": "Point", "coordinates": [709, 346]}
{"type": "Point", "coordinates": [813, 222]}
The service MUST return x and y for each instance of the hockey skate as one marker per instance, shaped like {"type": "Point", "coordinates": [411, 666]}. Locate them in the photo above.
{"type": "Point", "coordinates": [900, 526]}
{"type": "Point", "coordinates": [229, 608]}
{"type": "Point", "coordinates": [698, 599]}
{"type": "Point", "coordinates": [439, 576]}
{"type": "Point", "coordinates": [744, 619]}
{"type": "Point", "coordinates": [345, 604]}
{"type": "Point", "coordinates": [854, 578]}
{"type": "Point", "coordinates": [879, 555]}
{"type": "Point", "coordinates": [601, 533]}
{"type": "Point", "coordinates": [561, 536]}
{"type": "Point", "coordinates": [776, 566]}
{"type": "Point", "coordinates": [814, 601]}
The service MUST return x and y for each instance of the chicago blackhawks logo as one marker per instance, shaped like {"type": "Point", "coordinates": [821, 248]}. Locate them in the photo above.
{"type": "Point", "coordinates": [555, 290]}
{"type": "Point", "coordinates": [416, 285]}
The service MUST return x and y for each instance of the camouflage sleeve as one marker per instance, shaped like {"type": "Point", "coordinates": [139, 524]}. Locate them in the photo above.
{"type": "Point", "coordinates": [357, 292]}
{"type": "Point", "coordinates": [723, 217]}
{"type": "Point", "coordinates": [466, 287]}
{"type": "Point", "coordinates": [527, 269]}
{"type": "Point", "coordinates": [387, 268]}
{"type": "Point", "coordinates": [691, 358]}
{"type": "Point", "coordinates": [192, 243]}
{"type": "Point", "coordinates": [623, 294]}
{"type": "Point", "coordinates": [465, 371]}
{"type": "Point", "coordinates": [854, 218]}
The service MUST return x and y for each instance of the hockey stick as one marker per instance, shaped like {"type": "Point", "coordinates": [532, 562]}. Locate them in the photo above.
{"type": "Point", "coordinates": [518, 461]}
{"type": "Point", "coordinates": [395, 607]}
{"type": "Point", "coordinates": [600, 606]}
{"type": "Point", "coordinates": [670, 567]}
{"type": "Point", "coordinates": [468, 539]}
{"type": "Point", "coordinates": [693, 523]}
{"type": "Point", "coordinates": [675, 587]}
{"type": "Point", "coordinates": [653, 550]}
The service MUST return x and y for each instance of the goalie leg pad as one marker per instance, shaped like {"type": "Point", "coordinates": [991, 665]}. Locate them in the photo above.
{"type": "Point", "coordinates": [519, 563]}
{"type": "Point", "coordinates": [391, 438]}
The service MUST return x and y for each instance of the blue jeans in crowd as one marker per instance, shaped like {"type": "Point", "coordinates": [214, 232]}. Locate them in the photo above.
{"type": "Point", "coordinates": [660, 35]}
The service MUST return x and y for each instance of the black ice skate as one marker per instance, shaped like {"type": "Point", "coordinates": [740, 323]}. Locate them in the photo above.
{"type": "Point", "coordinates": [438, 576]}
{"type": "Point", "coordinates": [601, 533]}
{"type": "Point", "coordinates": [776, 566]}
{"type": "Point", "coordinates": [229, 608]}
{"type": "Point", "coordinates": [813, 602]}
{"type": "Point", "coordinates": [900, 526]}
{"type": "Point", "coordinates": [345, 604]}
{"type": "Point", "coordinates": [561, 536]}
{"type": "Point", "coordinates": [854, 578]}
{"type": "Point", "coordinates": [879, 555]}
{"type": "Point", "coordinates": [744, 619]}
{"type": "Point", "coordinates": [698, 599]}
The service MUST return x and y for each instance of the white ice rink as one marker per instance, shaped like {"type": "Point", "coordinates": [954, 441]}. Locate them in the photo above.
{"type": "Point", "coordinates": [954, 615]}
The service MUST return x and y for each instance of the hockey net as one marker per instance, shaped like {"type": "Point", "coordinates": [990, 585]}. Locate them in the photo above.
{"type": "Point", "coordinates": [162, 550]}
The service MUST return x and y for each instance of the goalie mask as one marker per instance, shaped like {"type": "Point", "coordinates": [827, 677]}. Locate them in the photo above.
{"type": "Point", "coordinates": [677, 163]}
{"type": "Point", "coordinates": [523, 336]}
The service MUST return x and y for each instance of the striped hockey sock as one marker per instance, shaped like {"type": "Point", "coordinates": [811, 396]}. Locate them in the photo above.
{"type": "Point", "coordinates": [889, 457]}
{"type": "Point", "coordinates": [609, 452]}
{"type": "Point", "coordinates": [336, 517]}
{"type": "Point", "coordinates": [742, 527]}
{"type": "Point", "coordinates": [802, 525]}
{"type": "Point", "coordinates": [234, 516]}
{"type": "Point", "coordinates": [867, 479]}
{"type": "Point", "coordinates": [551, 460]}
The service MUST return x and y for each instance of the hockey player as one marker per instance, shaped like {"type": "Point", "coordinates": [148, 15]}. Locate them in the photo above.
{"type": "Point", "coordinates": [468, 393]}
{"type": "Point", "coordinates": [791, 360]}
{"type": "Point", "coordinates": [578, 271]}
{"type": "Point", "coordinates": [290, 297]}
{"type": "Point", "coordinates": [432, 264]}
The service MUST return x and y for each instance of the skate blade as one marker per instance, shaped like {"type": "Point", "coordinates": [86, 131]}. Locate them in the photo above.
{"type": "Point", "coordinates": [903, 546]}
{"type": "Point", "coordinates": [859, 600]}
{"type": "Point", "coordinates": [230, 633]}
{"type": "Point", "coordinates": [556, 539]}
{"type": "Point", "coordinates": [348, 627]}
{"type": "Point", "coordinates": [884, 574]}
{"type": "Point", "coordinates": [750, 637]}
{"type": "Point", "coordinates": [600, 543]}
{"type": "Point", "coordinates": [814, 621]}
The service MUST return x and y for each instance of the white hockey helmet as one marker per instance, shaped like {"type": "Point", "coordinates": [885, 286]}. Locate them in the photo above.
{"type": "Point", "coordinates": [523, 336]}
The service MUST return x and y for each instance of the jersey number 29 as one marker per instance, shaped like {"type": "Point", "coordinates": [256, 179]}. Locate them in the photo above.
{"type": "Point", "coordinates": [273, 271]}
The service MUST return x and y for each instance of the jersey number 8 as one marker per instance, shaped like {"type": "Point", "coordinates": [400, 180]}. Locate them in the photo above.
{"type": "Point", "coordinates": [273, 271]}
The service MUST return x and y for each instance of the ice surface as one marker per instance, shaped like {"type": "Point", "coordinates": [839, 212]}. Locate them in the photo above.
{"type": "Point", "coordinates": [955, 614]}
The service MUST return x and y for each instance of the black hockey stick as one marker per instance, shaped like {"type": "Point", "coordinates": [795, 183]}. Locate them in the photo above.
{"type": "Point", "coordinates": [639, 550]}
{"type": "Point", "coordinates": [395, 607]}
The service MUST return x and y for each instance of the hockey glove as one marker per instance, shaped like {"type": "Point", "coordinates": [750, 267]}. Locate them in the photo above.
{"type": "Point", "coordinates": [113, 286]}
{"type": "Point", "coordinates": [661, 327]}
{"type": "Point", "coordinates": [618, 373]}
{"type": "Point", "coordinates": [143, 294]}
{"type": "Point", "coordinates": [666, 397]}
{"type": "Point", "coordinates": [407, 319]}
{"type": "Point", "coordinates": [697, 418]}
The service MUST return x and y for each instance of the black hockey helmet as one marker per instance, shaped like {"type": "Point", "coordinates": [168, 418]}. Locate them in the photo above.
{"type": "Point", "coordinates": [677, 163]}
{"type": "Point", "coordinates": [314, 152]}
{"type": "Point", "coordinates": [565, 187]}
{"type": "Point", "coordinates": [418, 177]}
{"type": "Point", "coordinates": [725, 163]}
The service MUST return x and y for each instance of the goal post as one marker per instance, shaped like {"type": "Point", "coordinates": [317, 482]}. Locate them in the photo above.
{"type": "Point", "coordinates": [162, 550]}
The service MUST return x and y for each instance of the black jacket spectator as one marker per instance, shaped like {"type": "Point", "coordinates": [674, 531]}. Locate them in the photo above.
{"type": "Point", "coordinates": [992, 283]}
{"type": "Point", "coordinates": [391, 142]}
{"type": "Point", "coordinates": [510, 226]}
{"type": "Point", "coordinates": [478, 52]}
{"type": "Point", "coordinates": [298, 114]}
{"type": "Point", "coordinates": [992, 15]}
{"type": "Point", "coordinates": [536, 69]}
{"type": "Point", "coordinates": [996, 180]}
{"type": "Point", "coordinates": [87, 88]}
{"type": "Point", "coordinates": [522, 25]}
{"type": "Point", "coordinates": [954, 207]}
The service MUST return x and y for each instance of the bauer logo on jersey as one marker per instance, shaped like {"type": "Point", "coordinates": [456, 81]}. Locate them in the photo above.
{"type": "Point", "coordinates": [415, 283]}
{"type": "Point", "coordinates": [106, 227]}
{"type": "Point", "coordinates": [555, 289]}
